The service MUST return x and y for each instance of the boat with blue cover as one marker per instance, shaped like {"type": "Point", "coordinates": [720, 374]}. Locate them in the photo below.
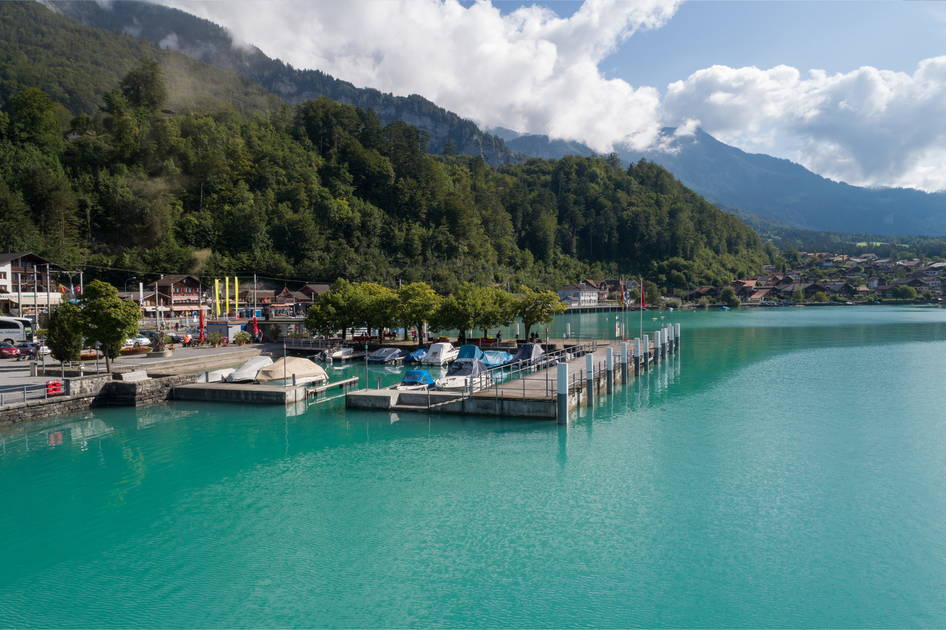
{"type": "Point", "coordinates": [416, 355]}
{"type": "Point", "coordinates": [416, 379]}
{"type": "Point", "coordinates": [496, 358]}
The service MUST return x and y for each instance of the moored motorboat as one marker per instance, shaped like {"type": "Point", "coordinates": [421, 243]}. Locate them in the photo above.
{"type": "Point", "coordinates": [496, 358]}
{"type": "Point", "coordinates": [465, 375]}
{"type": "Point", "coordinates": [440, 353]}
{"type": "Point", "coordinates": [386, 355]}
{"type": "Point", "coordinates": [529, 354]}
{"type": "Point", "coordinates": [416, 355]}
{"type": "Point", "coordinates": [415, 380]}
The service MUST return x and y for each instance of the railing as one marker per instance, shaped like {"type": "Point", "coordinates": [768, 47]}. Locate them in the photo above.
{"type": "Point", "coordinates": [503, 374]}
{"type": "Point", "coordinates": [21, 393]}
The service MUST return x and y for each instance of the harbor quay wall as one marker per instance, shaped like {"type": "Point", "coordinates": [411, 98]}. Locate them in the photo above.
{"type": "Point", "coordinates": [137, 393]}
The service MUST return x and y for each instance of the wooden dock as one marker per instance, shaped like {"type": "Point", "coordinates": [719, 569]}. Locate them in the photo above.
{"type": "Point", "coordinates": [590, 368]}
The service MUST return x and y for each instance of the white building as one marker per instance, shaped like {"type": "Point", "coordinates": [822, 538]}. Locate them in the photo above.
{"type": "Point", "coordinates": [579, 295]}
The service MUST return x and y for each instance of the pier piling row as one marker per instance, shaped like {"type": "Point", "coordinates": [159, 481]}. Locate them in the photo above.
{"type": "Point", "coordinates": [549, 391]}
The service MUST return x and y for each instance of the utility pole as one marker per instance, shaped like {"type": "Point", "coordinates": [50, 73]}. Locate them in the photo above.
{"type": "Point", "coordinates": [35, 299]}
{"type": "Point", "coordinates": [19, 293]}
{"type": "Point", "coordinates": [49, 309]}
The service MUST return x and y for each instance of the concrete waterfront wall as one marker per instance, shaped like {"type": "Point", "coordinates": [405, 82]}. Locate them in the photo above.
{"type": "Point", "coordinates": [138, 393]}
{"type": "Point", "coordinates": [83, 393]}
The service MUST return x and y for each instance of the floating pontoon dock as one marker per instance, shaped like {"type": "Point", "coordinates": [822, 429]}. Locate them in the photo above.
{"type": "Point", "coordinates": [563, 380]}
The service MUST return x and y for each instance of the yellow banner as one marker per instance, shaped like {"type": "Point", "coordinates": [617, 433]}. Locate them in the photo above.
{"type": "Point", "coordinates": [217, 296]}
{"type": "Point", "coordinates": [236, 295]}
{"type": "Point", "coordinates": [226, 296]}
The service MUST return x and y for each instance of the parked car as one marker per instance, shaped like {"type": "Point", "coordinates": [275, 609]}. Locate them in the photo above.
{"type": "Point", "coordinates": [34, 348]}
{"type": "Point", "coordinates": [136, 342]}
{"type": "Point", "coordinates": [9, 351]}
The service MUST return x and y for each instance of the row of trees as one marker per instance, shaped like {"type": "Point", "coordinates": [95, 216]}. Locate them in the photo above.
{"type": "Point", "coordinates": [471, 307]}
{"type": "Point", "coordinates": [100, 317]}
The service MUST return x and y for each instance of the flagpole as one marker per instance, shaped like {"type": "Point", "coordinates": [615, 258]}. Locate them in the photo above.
{"type": "Point", "coordinates": [642, 307]}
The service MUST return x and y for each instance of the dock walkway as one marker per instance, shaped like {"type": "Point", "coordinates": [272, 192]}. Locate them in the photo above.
{"type": "Point", "coordinates": [535, 391]}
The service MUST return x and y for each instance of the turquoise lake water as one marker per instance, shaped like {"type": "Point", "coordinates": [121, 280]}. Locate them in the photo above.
{"type": "Point", "coordinates": [786, 469]}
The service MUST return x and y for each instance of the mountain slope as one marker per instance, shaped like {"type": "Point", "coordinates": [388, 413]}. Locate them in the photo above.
{"type": "Point", "coordinates": [785, 191]}
{"type": "Point", "coordinates": [204, 40]}
{"type": "Point", "coordinates": [76, 65]}
{"type": "Point", "coordinates": [772, 188]}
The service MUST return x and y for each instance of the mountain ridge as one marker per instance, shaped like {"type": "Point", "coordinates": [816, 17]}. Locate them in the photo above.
{"type": "Point", "coordinates": [208, 42]}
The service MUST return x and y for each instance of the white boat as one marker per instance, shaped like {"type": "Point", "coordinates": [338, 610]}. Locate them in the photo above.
{"type": "Point", "coordinates": [465, 375]}
{"type": "Point", "coordinates": [342, 353]}
{"type": "Point", "coordinates": [247, 372]}
{"type": "Point", "coordinates": [439, 354]}
{"type": "Point", "coordinates": [287, 370]}
{"type": "Point", "coordinates": [215, 376]}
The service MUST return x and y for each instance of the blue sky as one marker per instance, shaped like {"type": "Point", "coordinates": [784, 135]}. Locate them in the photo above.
{"type": "Point", "coordinates": [830, 35]}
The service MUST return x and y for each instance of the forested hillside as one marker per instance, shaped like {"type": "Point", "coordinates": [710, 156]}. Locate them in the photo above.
{"type": "Point", "coordinates": [76, 65]}
{"type": "Point", "coordinates": [204, 40]}
{"type": "Point", "coordinates": [324, 190]}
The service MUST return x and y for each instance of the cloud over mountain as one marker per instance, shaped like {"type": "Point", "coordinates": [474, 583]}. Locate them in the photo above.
{"type": "Point", "coordinates": [537, 72]}
{"type": "Point", "coordinates": [867, 126]}
{"type": "Point", "coordinates": [528, 69]}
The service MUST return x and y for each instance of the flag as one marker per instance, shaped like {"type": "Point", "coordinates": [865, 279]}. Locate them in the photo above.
{"type": "Point", "coordinates": [217, 295]}
{"type": "Point", "coordinates": [236, 295]}
{"type": "Point", "coordinates": [226, 296]}
{"type": "Point", "coordinates": [203, 320]}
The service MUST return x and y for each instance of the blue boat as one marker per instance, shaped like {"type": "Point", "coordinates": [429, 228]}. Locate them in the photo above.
{"type": "Point", "coordinates": [416, 379]}
{"type": "Point", "coordinates": [470, 351]}
{"type": "Point", "coordinates": [496, 358]}
{"type": "Point", "coordinates": [416, 355]}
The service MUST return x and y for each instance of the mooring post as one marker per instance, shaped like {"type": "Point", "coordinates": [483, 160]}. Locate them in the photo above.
{"type": "Point", "coordinates": [663, 343]}
{"type": "Point", "coordinates": [645, 350]}
{"type": "Point", "coordinates": [637, 356]}
{"type": "Point", "coordinates": [625, 348]}
{"type": "Point", "coordinates": [656, 347]}
{"type": "Point", "coordinates": [610, 369]}
{"type": "Point", "coordinates": [677, 335]}
{"type": "Point", "coordinates": [563, 393]}
{"type": "Point", "coordinates": [590, 374]}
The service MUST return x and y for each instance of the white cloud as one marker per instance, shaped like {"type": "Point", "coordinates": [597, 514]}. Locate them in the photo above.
{"type": "Point", "coordinates": [528, 70]}
{"type": "Point", "coordinates": [867, 126]}
{"type": "Point", "coordinates": [536, 72]}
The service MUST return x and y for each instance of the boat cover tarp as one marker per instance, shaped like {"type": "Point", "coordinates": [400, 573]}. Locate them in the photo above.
{"type": "Point", "coordinates": [384, 354]}
{"type": "Point", "coordinates": [529, 353]}
{"type": "Point", "coordinates": [249, 370]}
{"type": "Point", "coordinates": [466, 367]}
{"type": "Point", "coordinates": [470, 351]}
{"type": "Point", "coordinates": [287, 366]}
{"type": "Point", "coordinates": [495, 358]}
{"type": "Point", "coordinates": [417, 377]}
{"type": "Point", "coordinates": [417, 355]}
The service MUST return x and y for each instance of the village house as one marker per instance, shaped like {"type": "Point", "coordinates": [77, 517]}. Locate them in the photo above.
{"type": "Point", "coordinates": [579, 295]}
{"type": "Point", "coordinates": [25, 287]}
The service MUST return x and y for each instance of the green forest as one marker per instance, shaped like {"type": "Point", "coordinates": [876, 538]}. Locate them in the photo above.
{"type": "Point", "coordinates": [119, 173]}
